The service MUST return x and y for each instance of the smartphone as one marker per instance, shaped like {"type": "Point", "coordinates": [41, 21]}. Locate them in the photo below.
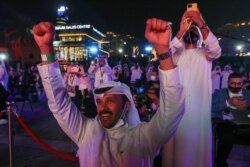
{"type": "Point", "coordinates": [74, 69]}
{"type": "Point", "coordinates": [140, 89]}
{"type": "Point", "coordinates": [241, 98]}
{"type": "Point", "coordinates": [192, 7]}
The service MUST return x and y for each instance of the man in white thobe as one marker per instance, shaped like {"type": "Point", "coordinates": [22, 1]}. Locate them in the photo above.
{"type": "Point", "coordinates": [192, 143]}
{"type": "Point", "coordinates": [115, 138]}
{"type": "Point", "coordinates": [225, 74]}
{"type": "Point", "coordinates": [216, 78]}
{"type": "Point", "coordinates": [101, 70]}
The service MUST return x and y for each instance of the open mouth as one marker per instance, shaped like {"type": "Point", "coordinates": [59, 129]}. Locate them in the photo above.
{"type": "Point", "coordinates": [105, 116]}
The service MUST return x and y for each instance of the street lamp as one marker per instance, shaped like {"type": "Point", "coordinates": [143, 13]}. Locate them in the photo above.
{"type": "Point", "coordinates": [148, 49]}
{"type": "Point", "coordinates": [239, 47]}
{"type": "Point", "coordinates": [3, 56]}
{"type": "Point", "coordinates": [93, 49]}
{"type": "Point", "coordinates": [120, 50]}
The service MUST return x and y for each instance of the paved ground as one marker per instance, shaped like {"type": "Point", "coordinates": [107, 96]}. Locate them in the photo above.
{"type": "Point", "coordinates": [28, 153]}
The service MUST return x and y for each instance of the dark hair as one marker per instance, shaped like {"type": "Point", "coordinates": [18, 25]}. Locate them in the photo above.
{"type": "Point", "coordinates": [150, 86]}
{"type": "Point", "coordinates": [234, 75]}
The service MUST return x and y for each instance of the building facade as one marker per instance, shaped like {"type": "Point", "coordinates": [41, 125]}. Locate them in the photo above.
{"type": "Point", "coordinates": [235, 38]}
{"type": "Point", "coordinates": [78, 42]}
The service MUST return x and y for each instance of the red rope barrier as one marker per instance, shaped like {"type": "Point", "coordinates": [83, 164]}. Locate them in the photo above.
{"type": "Point", "coordinates": [44, 145]}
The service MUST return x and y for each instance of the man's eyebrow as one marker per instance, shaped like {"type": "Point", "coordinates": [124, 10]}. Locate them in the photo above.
{"type": "Point", "coordinates": [111, 97]}
{"type": "Point", "coordinates": [236, 82]}
{"type": "Point", "coordinates": [102, 90]}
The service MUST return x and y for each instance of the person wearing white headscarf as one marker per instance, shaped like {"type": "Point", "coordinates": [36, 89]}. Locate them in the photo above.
{"type": "Point", "coordinates": [216, 78]}
{"type": "Point", "coordinates": [101, 70]}
{"type": "Point", "coordinates": [194, 47]}
{"type": "Point", "coordinates": [225, 74]}
{"type": "Point", "coordinates": [136, 73]}
{"type": "Point", "coordinates": [115, 137]}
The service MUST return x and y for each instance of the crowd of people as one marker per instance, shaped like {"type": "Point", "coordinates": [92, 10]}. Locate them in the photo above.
{"type": "Point", "coordinates": [221, 72]}
{"type": "Point", "coordinates": [140, 110]}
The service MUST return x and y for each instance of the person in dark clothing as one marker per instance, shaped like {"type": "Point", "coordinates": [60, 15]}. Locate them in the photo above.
{"type": "Point", "coordinates": [3, 99]}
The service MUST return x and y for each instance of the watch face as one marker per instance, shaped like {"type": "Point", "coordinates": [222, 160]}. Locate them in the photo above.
{"type": "Point", "coordinates": [165, 55]}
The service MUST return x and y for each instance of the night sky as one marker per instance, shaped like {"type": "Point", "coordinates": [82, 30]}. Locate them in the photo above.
{"type": "Point", "coordinates": [129, 16]}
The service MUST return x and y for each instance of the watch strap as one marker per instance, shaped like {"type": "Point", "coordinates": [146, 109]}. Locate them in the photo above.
{"type": "Point", "coordinates": [165, 55]}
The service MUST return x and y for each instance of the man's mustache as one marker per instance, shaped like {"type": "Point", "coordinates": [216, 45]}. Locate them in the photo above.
{"type": "Point", "coordinates": [105, 112]}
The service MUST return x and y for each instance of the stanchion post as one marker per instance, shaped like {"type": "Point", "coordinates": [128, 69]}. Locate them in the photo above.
{"type": "Point", "coordinates": [11, 140]}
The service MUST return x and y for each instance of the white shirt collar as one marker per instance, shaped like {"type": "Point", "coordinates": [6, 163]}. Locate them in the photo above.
{"type": "Point", "coordinates": [231, 94]}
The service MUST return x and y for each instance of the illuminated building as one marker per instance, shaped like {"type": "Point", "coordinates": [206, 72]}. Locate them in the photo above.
{"type": "Point", "coordinates": [120, 44]}
{"type": "Point", "coordinates": [235, 38]}
{"type": "Point", "coordinates": [62, 16]}
{"type": "Point", "coordinates": [73, 42]}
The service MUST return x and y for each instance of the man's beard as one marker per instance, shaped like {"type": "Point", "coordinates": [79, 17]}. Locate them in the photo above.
{"type": "Point", "coordinates": [234, 89]}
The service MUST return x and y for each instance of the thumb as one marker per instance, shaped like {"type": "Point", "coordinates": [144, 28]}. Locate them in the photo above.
{"type": "Point", "coordinates": [148, 27]}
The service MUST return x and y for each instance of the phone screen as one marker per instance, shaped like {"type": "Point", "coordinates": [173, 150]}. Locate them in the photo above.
{"type": "Point", "coordinates": [140, 89]}
{"type": "Point", "coordinates": [75, 69]}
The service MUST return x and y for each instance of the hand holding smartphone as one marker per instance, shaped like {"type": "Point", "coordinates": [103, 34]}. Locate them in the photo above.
{"type": "Point", "coordinates": [192, 7]}
{"type": "Point", "coordinates": [74, 69]}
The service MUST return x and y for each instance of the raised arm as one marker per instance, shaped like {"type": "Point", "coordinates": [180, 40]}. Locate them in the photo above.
{"type": "Point", "coordinates": [164, 123]}
{"type": "Point", "coordinates": [65, 112]}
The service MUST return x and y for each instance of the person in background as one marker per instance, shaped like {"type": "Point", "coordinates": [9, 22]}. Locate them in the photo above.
{"type": "Point", "coordinates": [223, 102]}
{"type": "Point", "coordinates": [85, 87]}
{"type": "Point", "coordinates": [194, 48]}
{"type": "Point", "coordinates": [216, 78]}
{"type": "Point", "coordinates": [34, 83]}
{"type": "Point", "coordinates": [148, 102]}
{"type": "Point", "coordinates": [246, 81]}
{"type": "Point", "coordinates": [84, 81]}
{"type": "Point", "coordinates": [154, 75]}
{"type": "Point", "coordinates": [136, 74]}
{"type": "Point", "coordinates": [116, 73]}
{"type": "Point", "coordinates": [225, 73]}
{"type": "Point", "coordinates": [12, 80]}
{"type": "Point", "coordinates": [101, 70]}
{"type": "Point", "coordinates": [149, 70]}
{"type": "Point", "coordinates": [3, 92]}
{"type": "Point", "coordinates": [71, 79]}
{"type": "Point", "coordinates": [3, 75]}
{"type": "Point", "coordinates": [115, 137]}
{"type": "Point", "coordinates": [125, 76]}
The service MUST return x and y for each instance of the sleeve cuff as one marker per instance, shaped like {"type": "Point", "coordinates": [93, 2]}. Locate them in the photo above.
{"type": "Point", "coordinates": [49, 70]}
{"type": "Point", "coordinates": [176, 43]}
{"type": "Point", "coordinates": [211, 38]}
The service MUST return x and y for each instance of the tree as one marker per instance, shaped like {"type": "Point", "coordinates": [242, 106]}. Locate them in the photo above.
{"type": "Point", "coordinates": [16, 29]}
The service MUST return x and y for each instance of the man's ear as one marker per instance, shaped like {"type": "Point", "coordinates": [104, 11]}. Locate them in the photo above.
{"type": "Point", "coordinates": [127, 106]}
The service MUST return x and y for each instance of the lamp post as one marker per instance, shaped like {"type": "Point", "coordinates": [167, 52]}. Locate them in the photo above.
{"type": "Point", "coordinates": [239, 49]}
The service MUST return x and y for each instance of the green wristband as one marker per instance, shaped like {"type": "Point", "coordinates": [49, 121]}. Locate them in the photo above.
{"type": "Point", "coordinates": [49, 58]}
